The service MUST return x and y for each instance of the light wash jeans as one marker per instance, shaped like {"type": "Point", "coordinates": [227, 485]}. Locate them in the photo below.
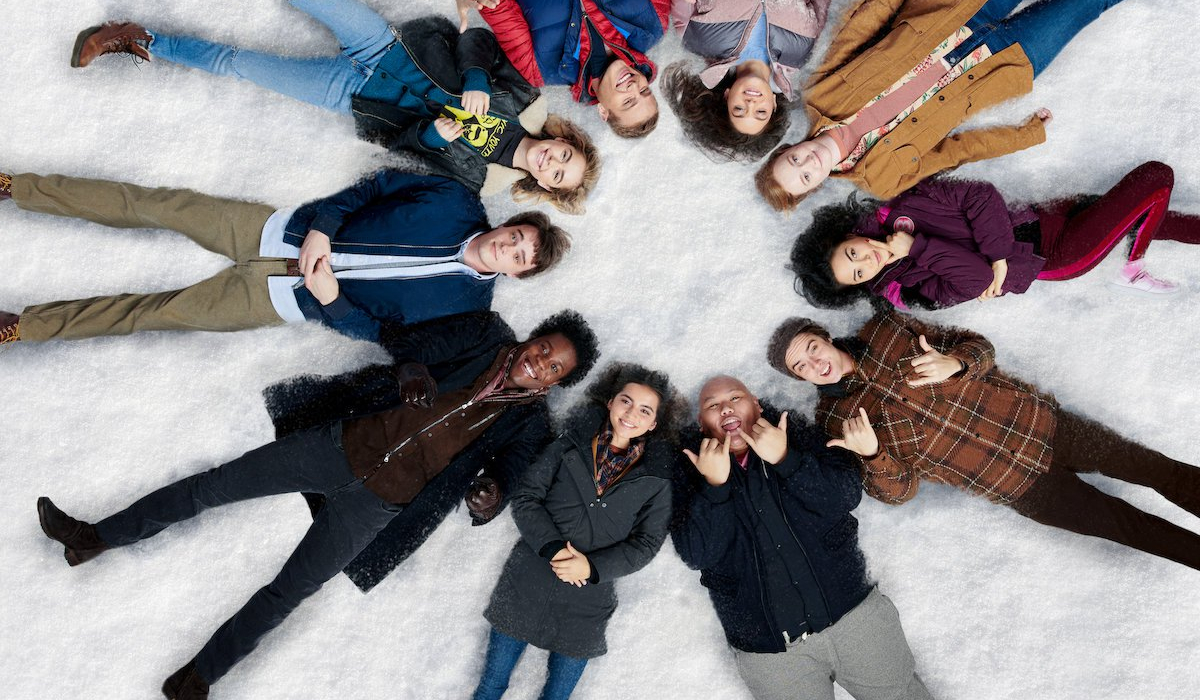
{"type": "Point", "coordinates": [328, 82]}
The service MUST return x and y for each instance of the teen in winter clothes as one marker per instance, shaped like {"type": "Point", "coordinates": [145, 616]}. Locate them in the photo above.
{"type": "Point", "coordinates": [593, 508]}
{"type": "Point", "coordinates": [948, 241]}
{"type": "Point", "coordinates": [737, 107]}
{"type": "Point", "coordinates": [763, 511]}
{"type": "Point", "coordinates": [597, 47]}
{"type": "Point", "coordinates": [915, 402]}
{"type": "Point", "coordinates": [902, 74]}
{"type": "Point", "coordinates": [453, 99]}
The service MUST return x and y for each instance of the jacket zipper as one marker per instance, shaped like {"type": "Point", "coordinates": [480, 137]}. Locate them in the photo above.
{"type": "Point", "coordinates": [388, 455]}
{"type": "Point", "coordinates": [779, 503]}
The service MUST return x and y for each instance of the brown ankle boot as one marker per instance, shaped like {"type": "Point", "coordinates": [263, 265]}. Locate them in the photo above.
{"type": "Point", "coordinates": [10, 327]}
{"type": "Point", "coordinates": [111, 37]}
{"type": "Point", "coordinates": [5, 186]}
{"type": "Point", "coordinates": [185, 684]}
{"type": "Point", "coordinates": [80, 539]}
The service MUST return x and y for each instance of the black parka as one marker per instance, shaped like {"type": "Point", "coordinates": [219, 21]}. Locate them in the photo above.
{"type": "Point", "coordinates": [619, 532]}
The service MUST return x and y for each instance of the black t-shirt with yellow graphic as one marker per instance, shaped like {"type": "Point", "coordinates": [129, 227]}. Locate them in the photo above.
{"type": "Point", "coordinates": [495, 138]}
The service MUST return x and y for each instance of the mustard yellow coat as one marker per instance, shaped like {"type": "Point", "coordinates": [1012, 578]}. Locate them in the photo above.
{"type": "Point", "coordinates": [855, 70]}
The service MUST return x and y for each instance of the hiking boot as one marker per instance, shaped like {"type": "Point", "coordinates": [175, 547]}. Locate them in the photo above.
{"type": "Point", "coordinates": [80, 540]}
{"type": "Point", "coordinates": [110, 37]}
{"type": "Point", "coordinates": [5, 186]}
{"type": "Point", "coordinates": [10, 327]}
{"type": "Point", "coordinates": [185, 684]}
{"type": "Point", "coordinates": [1134, 278]}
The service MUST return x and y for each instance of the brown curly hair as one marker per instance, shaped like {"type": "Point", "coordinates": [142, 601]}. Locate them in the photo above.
{"type": "Point", "coordinates": [568, 201]}
{"type": "Point", "coordinates": [705, 117]}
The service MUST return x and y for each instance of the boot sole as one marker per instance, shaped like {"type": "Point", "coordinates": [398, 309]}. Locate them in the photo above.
{"type": "Point", "coordinates": [83, 36]}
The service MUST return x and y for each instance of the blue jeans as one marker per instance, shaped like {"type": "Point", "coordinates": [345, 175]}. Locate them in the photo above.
{"type": "Point", "coordinates": [503, 652]}
{"type": "Point", "coordinates": [312, 460]}
{"type": "Point", "coordinates": [1042, 29]}
{"type": "Point", "coordinates": [327, 82]}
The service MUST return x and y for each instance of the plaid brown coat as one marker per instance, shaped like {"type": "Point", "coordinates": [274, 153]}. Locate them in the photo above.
{"type": "Point", "coordinates": [979, 430]}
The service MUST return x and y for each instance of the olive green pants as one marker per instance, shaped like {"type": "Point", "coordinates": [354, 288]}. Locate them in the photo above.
{"type": "Point", "coordinates": [234, 299]}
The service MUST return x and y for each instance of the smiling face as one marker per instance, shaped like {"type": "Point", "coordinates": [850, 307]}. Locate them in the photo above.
{"type": "Point", "coordinates": [633, 412]}
{"type": "Point", "coordinates": [725, 406]}
{"type": "Point", "coordinates": [815, 359]}
{"type": "Point", "coordinates": [508, 250]}
{"type": "Point", "coordinates": [803, 167]}
{"type": "Point", "coordinates": [624, 95]}
{"type": "Point", "coordinates": [556, 164]}
{"type": "Point", "coordinates": [542, 362]}
{"type": "Point", "coordinates": [750, 101]}
{"type": "Point", "coordinates": [858, 259]}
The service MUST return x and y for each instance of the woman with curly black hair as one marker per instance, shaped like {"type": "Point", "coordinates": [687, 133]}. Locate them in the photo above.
{"type": "Point", "coordinates": [594, 507]}
{"type": "Point", "coordinates": [737, 107]}
{"type": "Point", "coordinates": [948, 241]}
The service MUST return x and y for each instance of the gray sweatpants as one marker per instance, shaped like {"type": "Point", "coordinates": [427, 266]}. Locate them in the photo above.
{"type": "Point", "coordinates": [865, 652]}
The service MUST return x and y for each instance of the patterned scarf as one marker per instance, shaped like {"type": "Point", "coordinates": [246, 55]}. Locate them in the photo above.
{"type": "Point", "coordinates": [610, 465]}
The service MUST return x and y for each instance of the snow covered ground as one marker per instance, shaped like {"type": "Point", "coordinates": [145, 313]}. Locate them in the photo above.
{"type": "Point", "coordinates": [677, 264]}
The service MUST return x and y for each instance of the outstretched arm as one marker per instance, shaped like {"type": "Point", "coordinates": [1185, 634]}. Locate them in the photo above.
{"type": "Point", "coordinates": [507, 20]}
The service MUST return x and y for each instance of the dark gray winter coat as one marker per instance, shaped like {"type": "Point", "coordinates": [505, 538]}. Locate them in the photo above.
{"type": "Point", "coordinates": [619, 533]}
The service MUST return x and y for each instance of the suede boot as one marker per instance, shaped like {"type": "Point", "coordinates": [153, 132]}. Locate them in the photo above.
{"type": "Point", "coordinates": [10, 327]}
{"type": "Point", "coordinates": [185, 684]}
{"type": "Point", "coordinates": [80, 540]}
{"type": "Point", "coordinates": [111, 37]}
{"type": "Point", "coordinates": [5, 186]}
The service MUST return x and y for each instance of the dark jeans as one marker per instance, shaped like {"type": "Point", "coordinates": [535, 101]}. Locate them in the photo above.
{"type": "Point", "coordinates": [503, 652]}
{"type": "Point", "coordinates": [1042, 29]}
{"type": "Point", "coordinates": [307, 461]}
{"type": "Point", "coordinates": [1061, 499]}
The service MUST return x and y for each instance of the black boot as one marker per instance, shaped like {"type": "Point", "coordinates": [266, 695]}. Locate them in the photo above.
{"type": "Point", "coordinates": [10, 327]}
{"type": "Point", "coordinates": [80, 539]}
{"type": "Point", "coordinates": [185, 684]}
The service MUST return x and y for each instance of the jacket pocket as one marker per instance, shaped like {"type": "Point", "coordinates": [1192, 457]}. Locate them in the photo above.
{"type": "Point", "coordinates": [843, 531]}
{"type": "Point", "coordinates": [899, 436]}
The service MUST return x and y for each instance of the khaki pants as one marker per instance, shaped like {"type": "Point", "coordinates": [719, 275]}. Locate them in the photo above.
{"type": "Point", "coordinates": [234, 299]}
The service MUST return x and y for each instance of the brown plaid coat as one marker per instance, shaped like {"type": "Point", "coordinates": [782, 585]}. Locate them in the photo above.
{"type": "Point", "coordinates": [979, 430]}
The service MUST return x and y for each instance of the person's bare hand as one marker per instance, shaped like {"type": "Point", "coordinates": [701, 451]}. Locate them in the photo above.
{"type": "Point", "coordinates": [574, 569]}
{"type": "Point", "coordinates": [447, 128]}
{"type": "Point", "coordinates": [321, 282]}
{"type": "Point", "coordinates": [932, 366]}
{"type": "Point", "coordinates": [1045, 115]}
{"type": "Point", "coordinates": [713, 460]}
{"type": "Point", "coordinates": [476, 102]}
{"type": "Point", "coordinates": [899, 243]}
{"type": "Point", "coordinates": [857, 436]}
{"type": "Point", "coordinates": [768, 441]}
{"type": "Point", "coordinates": [996, 288]}
{"type": "Point", "coordinates": [315, 246]}
{"type": "Point", "coordinates": [464, 8]}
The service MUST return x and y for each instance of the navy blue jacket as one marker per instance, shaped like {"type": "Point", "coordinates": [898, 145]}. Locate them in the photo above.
{"type": "Point", "coordinates": [395, 213]}
{"type": "Point", "coordinates": [712, 530]}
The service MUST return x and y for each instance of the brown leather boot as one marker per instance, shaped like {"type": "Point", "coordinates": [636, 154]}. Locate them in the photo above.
{"type": "Point", "coordinates": [10, 327]}
{"type": "Point", "coordinates": [185, 684]}
{"type": "Point", "coordinates": [110, 37]}
{"type": "Point", "coordinates": [5, 186]}
{"type": "Point", "coordinates": [80, 540]}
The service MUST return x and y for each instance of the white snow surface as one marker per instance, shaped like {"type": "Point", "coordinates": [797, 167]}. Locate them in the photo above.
{"type": "Point", "coordinates": [677, 264]}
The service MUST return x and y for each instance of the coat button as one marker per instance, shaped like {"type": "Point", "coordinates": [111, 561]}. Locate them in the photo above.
{"type": "Point", "coordinates": [428, 434]}
{"type": "Point", "coordinates": [446, 424]}
{"type": "Point", "coordinates": [887, 142]}
{"type": "Point", "coordinates": [970, 76]}
{"type": "Point", "coordinates": [603, 505]}
{"type": "Point", "coordinates": [383, 74]}
{"type": "Point", "coordinates": [941, 98]}
{"type": "Point", "coordinates": [914, 159]}
{"type": "Point", "coordinates": [591, 505]}
{"type": "Point", "coordinates": [914, 120]}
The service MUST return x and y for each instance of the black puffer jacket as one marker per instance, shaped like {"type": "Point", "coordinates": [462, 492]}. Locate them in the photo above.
{"type": "Point", "coordinates": [455, 349]}
{"type": "Point", "coordinates": [443, 56]}
{"type": "Point", "coordinates": [619, 532]}
{"type": "Point", "coordinates": [713, 531]}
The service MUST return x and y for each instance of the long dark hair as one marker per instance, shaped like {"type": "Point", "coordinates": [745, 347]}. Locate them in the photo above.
{"type": "Point", "coordinates": [831, 224]}
{"type": "Point", "coordinates": [614, 378]}
{"type": "Point", "coordinates": [705, 117]}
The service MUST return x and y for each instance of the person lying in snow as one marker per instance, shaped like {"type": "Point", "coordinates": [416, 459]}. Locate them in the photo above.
{"type": "Point", "coordinates": [914, 401]}
{"type": "Point", "coordinates": [369, 467]}
{"type": "Point", "coordinates": [763, 511]}
{"type": "Point", "coordinates": [395, 246]}
{"type": "Point", "coordinates": [455, 101]}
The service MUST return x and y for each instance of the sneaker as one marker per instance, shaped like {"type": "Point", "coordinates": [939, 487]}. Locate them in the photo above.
{"type": "Point", "coordinates": [111, 37]}
{"type": "Point", "coordinates": [1134, 278]}
{"type": "Point", "coordinates": [10, 327]}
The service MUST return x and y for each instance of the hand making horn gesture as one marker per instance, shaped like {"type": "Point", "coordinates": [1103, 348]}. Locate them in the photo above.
{"type": "Point", "coordinates": [932, 367]}
{"type": "Point", "coordinates": [768, 441]}
{"type": "Point", "coordinates": [713, 460]}
{"type": "Point", "coordinates": [858, 436]}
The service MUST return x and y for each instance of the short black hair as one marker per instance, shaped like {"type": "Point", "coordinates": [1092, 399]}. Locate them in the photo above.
{"type": "Point", "coordinates": [783, 336]}
{"type": "Point", "coordinates": [615, 376]}
{"type": "Point", "coordinates": [574, 328]}
{"type": "Point", "coordinates": [831, 225]}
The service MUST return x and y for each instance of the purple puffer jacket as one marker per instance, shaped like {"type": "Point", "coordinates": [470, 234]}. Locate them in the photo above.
{"type": "Point", "coordinates": [962, 227]}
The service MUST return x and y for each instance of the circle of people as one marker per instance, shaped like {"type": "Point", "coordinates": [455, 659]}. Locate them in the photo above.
{"type": "Point", "coordinates": [757, 499]}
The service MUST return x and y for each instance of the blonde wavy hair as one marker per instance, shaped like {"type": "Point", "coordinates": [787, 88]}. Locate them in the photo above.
{"type": "Point", "coordinates": [570, 201]}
